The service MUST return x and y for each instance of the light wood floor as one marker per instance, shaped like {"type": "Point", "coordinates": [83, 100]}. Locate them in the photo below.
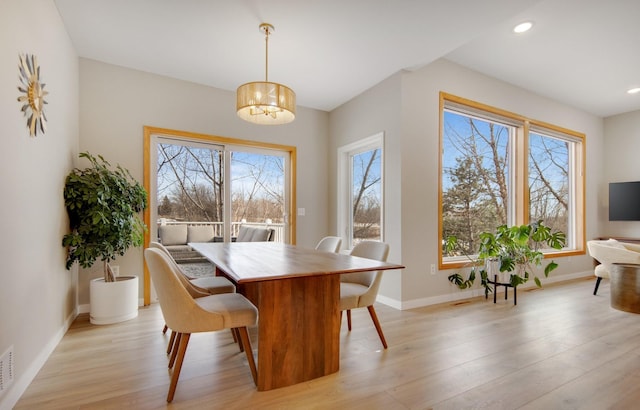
{"type": "Point", "coordinates": [559, 348]}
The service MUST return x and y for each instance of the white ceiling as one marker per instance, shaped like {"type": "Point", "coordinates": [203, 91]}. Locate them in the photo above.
{"type": "Point", "coordinates": [581, 52]}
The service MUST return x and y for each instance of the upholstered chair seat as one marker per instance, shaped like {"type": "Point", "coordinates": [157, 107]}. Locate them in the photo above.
{"type": "Point", "coordinates": [359, 290]}
{"type": "Point", "coordinates": [187, 315]}
{"type": "Point", "coordinates": [611, 251]}
{"type": "Point", "coordinates": [210, 285]}
{"type": "Point", "coordinates": [197, 288]}
{"type": "Point", "coordinates": [350, 294]}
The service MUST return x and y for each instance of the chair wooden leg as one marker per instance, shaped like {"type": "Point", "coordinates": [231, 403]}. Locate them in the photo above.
{"type": "Point", "coordinates": [244, 340]}
{"type": "Point", "coordinates": [233, 333]}
{"type": "Point", "coordinates": [376, 323]}
{"type": "Point", "coordinates": [172, 340]}
{"type": "Point", "coordinates": [236, 334]}
{"type": "Point", "coordinates": [349, 319]}
{"type": "Point", "coordinates": [174, 352]}
{"type": "Point", "coordinates": [164, 329]}
{"type": "Point", "coordinates": [595, 290]}
{"type": "Point", "coordinates": [182, 348]}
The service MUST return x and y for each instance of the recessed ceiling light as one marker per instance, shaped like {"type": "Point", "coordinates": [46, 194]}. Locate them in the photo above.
{"type": "Point", "coordinates": [522, 27]}
{"type": "Point", "coordinates": [634, 90]}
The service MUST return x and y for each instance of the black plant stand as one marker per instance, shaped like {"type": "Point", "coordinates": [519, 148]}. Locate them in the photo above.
{"type": "Point", "coordinates": [495, 284]}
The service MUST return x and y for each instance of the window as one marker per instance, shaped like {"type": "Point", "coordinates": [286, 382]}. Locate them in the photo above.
{"type": "Point", "coordinates": [360, 194]}
{"type": "Point", "coordinates": [549, 180]}
{"type": "Point", "coordinates": [191, 189]}
{"type": "Point", "coordinates": [259, 191]}
{"type": "Point", "coordinates": [197, 179]}
{"type": "Point", "coordinates": [501, 168]}
{"type": "Point", "coordinates": [189, 181]}
{"type": "Point", "coordinates": [476, 177]}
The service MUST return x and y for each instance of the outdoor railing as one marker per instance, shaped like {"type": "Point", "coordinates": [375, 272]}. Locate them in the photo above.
{"type": "Point", "coordinates": [218, 227]}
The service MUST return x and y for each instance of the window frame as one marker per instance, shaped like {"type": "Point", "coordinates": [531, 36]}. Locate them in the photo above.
{"type": "Point", "coordinates": [149, 133]}
{"type": "Point", "coordinates": [519, 204]}
{"type": "Point", "coordinates": [344, 184]}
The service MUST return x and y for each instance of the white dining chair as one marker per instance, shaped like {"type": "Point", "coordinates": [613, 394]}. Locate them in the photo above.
{"type": "Point", "coordinates": [197, 287]}
{"type": "Point", "coordinates": [329, 244]}
{"type": "Point", "coordinates": [187, 315]}
{"type": "Point", "coordinates": [359, 290]}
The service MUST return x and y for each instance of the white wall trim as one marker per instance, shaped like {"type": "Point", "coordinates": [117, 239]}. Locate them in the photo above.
{"type": "Point", "coordinates": [20, 385]}
{"type": "Point", "coordinates": [468, 294]}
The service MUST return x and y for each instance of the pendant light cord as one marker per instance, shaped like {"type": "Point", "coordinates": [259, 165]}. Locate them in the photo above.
{"type": "Point", "coordinates": [266, 59]}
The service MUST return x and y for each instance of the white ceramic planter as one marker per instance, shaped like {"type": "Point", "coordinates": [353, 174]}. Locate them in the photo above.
{"type": "Point", "coordinates": [113, 302]}
{"type": "Point", "coordinates": [504, 277]}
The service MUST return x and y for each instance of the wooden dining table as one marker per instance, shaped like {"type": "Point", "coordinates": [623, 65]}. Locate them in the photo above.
{"type": "Point", "coordinates": [297, 293]}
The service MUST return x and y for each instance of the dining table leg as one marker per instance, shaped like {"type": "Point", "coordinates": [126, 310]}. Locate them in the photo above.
{"type": "Point", "coordinates": [298, 328]}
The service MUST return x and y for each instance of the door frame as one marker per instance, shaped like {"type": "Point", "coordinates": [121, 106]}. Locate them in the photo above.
{"type": "Point", "coordinates": [150, 131]}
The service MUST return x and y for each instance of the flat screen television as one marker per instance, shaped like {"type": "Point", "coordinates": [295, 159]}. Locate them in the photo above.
{"type": "Point", "coordinates": [624, 201]}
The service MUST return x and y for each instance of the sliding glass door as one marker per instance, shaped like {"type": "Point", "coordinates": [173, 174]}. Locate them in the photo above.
{"type": "Point", "coordinates": [217, 181]}
{"type": "Point", "coordinates": [189, 182]}
{"type": "Point", "coordinates": [224, 186]}
{"type": "Point", "coordinates": [259, 190]}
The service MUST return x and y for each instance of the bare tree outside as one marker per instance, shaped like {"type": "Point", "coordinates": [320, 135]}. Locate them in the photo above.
{"type": "Point", "coordinates": [367, 195]}
{"type": "Point", "coordinates": [475, 178]}
{"type": "Point", "coordinates": [549, 181]}
{"type": "Point", "coordinates": [257, 187]}
{"type": "Point", "coordinates": [190, 181]}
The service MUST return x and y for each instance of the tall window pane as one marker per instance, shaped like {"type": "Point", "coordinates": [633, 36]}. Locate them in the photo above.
{"type": "Point", "coordinates": [361, 191]}
{"type": "Point", "coordinates": [257, 191]}
{"type": "Point", "coordinates": [366, 191]}
{"type": "Point", "coordinates": [475, 177]}
{"type": "Point", "coordinates": [191, 187]}
{"type": "Point", "coordinates": [549, 181]}
{"type": "Point", "coordinates": [190, 184]}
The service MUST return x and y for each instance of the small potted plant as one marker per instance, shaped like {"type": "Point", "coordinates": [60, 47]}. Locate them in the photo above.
{"type": "Point", "coordinates": [103, 204]}
{"type": "Point", "coordinates": [512, 250]}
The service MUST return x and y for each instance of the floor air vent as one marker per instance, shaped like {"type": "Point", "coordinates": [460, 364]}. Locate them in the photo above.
{"type": "Point", "coordinates": [6, 370]}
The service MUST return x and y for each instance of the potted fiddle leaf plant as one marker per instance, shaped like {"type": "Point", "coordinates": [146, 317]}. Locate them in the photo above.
{"type": "Point", "coordinates": [509, 253]}
{"type": "Point", "coordinates": [103, 204]}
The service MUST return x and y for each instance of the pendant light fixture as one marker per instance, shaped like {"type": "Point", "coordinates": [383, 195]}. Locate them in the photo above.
{"type": "Point", "coordinates": [264, 102]}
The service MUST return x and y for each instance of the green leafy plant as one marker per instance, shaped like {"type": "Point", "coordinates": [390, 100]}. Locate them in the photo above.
{"type": "Point", "coordinates": [513, 249]}
{"type": "Point", "coordinates": [103, 204]}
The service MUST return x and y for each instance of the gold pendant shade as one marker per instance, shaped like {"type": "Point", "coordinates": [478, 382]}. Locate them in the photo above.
{"type": "Point", "coordinates": [264, 102]}
{"type": "Point", "coordinates": [267, 103]}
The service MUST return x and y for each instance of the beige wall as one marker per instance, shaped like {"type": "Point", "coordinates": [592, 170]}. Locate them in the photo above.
{"type": "Point", "coordinates": [621, 156]}
{"type": "Point", "coordinates": [412, 142]}
{"type": "Point", "coordinates": [376, 110]}
{"type": "Point", "coordinates": [37, 293]}
{"type": "Point", "coordinates": [116, 103]}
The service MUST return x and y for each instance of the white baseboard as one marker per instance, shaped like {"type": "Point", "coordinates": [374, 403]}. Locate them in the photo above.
{"type": "Point", "coordinates": [20, 385]}
{"type": "Point", "coordinates": [468, 294]}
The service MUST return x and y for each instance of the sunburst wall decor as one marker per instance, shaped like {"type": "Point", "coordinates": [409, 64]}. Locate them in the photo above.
{"type": "Point", "coordinates": [33, 99]}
